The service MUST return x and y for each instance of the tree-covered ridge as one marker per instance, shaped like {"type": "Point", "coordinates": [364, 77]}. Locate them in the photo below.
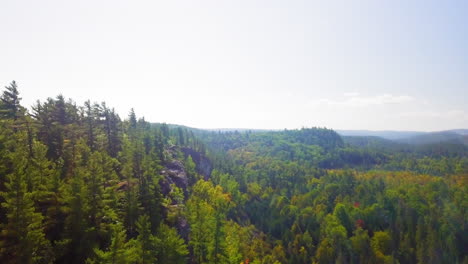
{"type": "Point", "coordinates": [80, 185]}
{"type": "Point", "coordinates": [324, 148]}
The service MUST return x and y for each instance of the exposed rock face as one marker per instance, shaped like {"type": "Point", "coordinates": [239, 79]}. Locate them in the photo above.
{"type": "Point", "coordinates": [174, 173]}
{"type": "Point", "coordinates": [184, 228]}
{"type": "Point", "coordinates": [180, 223]}
{"type": "Point", "coordinates": [204, 166]}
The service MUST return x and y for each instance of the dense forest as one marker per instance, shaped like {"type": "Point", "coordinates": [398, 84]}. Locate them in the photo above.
{"type": "Point", "coordinates": [78, 184]}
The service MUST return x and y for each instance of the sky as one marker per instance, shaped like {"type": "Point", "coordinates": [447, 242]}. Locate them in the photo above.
{"type": "Point", "coordinates": [376, 65]}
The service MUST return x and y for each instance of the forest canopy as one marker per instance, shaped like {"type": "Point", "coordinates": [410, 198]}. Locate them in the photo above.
{"type": "Point", "coordinates": [79, 184]}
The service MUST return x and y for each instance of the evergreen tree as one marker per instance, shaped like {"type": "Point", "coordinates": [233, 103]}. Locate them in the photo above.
{"type": "Point", "coordinates": [132, 119]}
{"type": "Point", "coordinates": [171, 248]}
{"type": "Point", "coordinates": [147, 243]}
{"type": "Point", "coordinates": [112, 130]}
{"type": "Point", "coordinates": [150, 191]}
{"type": "Point", "coordinates": [119, 252]}
{"type": "Point", "coordinates": [78, 209]}
{"type": "Point", "coordinates": [22, 238]}
{"type": "Point", "coordinates": [10, 107]}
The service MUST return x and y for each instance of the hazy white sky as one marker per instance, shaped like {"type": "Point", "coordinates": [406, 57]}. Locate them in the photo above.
{"type": "Point", "coordinates": [400, 65]}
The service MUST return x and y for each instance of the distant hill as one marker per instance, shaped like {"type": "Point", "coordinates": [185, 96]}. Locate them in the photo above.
{"type": "Point", "coordinates": [463, 132]}
{"type": "Point", "coordinates": [372, 142]}
{"type": "Point", "coordinates": [435, 137]}
{"type": "Point", "coordinates": [386, 139]}
{"type": "Point", "coordinates": [387, 134]}
{"type": "Point", "coordinates": [411, 137]}
{"type": "Point", "coordinates": [240, 130]}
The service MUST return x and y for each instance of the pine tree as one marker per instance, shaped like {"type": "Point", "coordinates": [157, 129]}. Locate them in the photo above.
{"type": "Point", "coordinates": [131, 206]}
{"type": "Point", "coordinates": [171, 248]}
{"type": "Point", "coordinates": [90, 118]}
{"type": "Point", "coordinates": [77, 208]}
{"type": "Point", "coordinates": [95, 187]}
{"type": "Point", "coordinates": [132, 119]}
{"type": "Point", "coordinates": [119, 252]}
{"type": "Point", "coordinates": [190, 168]}
{"type": "Point", "coordinates": [201, 220]}
{"type": "Point", "coordinates": [47, 189]}
{"type": "Point", "coordinates": [10, 107]}
{"type": "Point", "coordinates": [22, 239]}
{"type": "Point", "coordinates": [147, 243]}
{"type": "Point", "coordinates": [150, 191]}
{"type": "Point", "coordinates": [112, 130]}
{"type": "Point", "coordinates": [76, 227]}
{"type": "Point", "coordinates": [206, 213]}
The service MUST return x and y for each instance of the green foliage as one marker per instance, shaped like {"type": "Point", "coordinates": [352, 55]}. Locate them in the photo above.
{"type": "Point", "coordinates": [206, 213]}
{"type": "Point", "coordinates": [119, 251]}
{"type": "Point", "coordinates": [10, 107]}
{"type": "Point", "coordinates": [70, 176]}
{"type": "Point", "coordinates": [147, 243]}
{"type": "Point", "coordinates": [22, 238]}
{"type": "Point", "coordinates": [171, 247]}
{"type": "Point", "coordinates": [78, 184]}
{"type": "Point", "coordinates": [361, 248]}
